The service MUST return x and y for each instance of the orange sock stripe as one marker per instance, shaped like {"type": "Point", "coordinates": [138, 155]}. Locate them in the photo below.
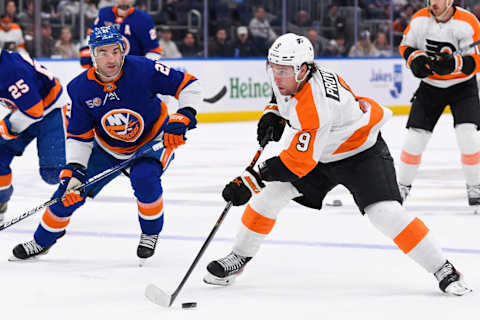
{"type": "Point", "coordinates": [409, 158]}
{"type": "Point", "coordinates": [151, 209]}
{"type": "Point", "coordinates": [53, 222]}
{"type": "Point", "coordinates": [6, 180]}
{"type": "Point", "coordinates": [256, 222]}
{"type": "Point", "coordinates": [411, 236]}
{"type": "Point", "coordinates": [471, 159]}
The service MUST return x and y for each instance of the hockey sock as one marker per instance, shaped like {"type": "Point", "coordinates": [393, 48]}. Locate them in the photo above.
{"type": "Point", "coordinates": [260, 216]}
{"type": "Point", "coordinates": [415, 142]}
{"type": "Point", "coordinates": [467, 139]}
{"type": "Point", "coordinates": [409, 233]}
{"type": "Point", "coordinates": [150, 216]}
{"type": "Point", "coordinates": [50, 227]}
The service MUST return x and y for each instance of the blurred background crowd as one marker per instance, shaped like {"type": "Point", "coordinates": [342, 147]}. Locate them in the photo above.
{"type": "Point", "coordinates": [219, 28]}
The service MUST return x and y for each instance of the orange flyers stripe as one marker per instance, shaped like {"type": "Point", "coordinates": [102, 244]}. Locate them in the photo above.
{"type": "Point", "coordinates": [271, 107]}
{"type": "Point", "coordinates": [402, 49]}
{"type": "Point", "coordinates": [409, 158]}
{"type": "Point", "coordinates": [298, 158]}
{"type": "Point", "coordinates": [6, 180]}
{"type": "Point", "coordinates": [469, 18]}
{"type": "Point", "coordinates": [87, 135]}
{"type": "Point", "coordinates": [413, 55]}
{"type": "Point", "coordinates": [151, 209]}
{"type": "Point", "coordinates": [471, 159]}
{"type": "Point", "coordinates": [186, 78]}
{"type": "Point", "coordinates": [156, 127]}
{"type": "Point", "coordinates": [411, 236]}
{"type": "Point", "coordinates": [359, 137]}
{"type": "Point", "coordinates": [54, 222]}
{"type": "Point", "coordinates": [256, 222]}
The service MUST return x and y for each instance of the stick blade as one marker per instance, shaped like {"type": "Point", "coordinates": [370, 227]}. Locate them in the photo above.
{"type": "Point", "coordinates": [157, 295]}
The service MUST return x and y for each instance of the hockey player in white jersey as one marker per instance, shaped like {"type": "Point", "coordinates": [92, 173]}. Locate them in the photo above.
{"type": "Point", "coordinates": [432, 46]}
{"type": "Point", "coordinates": [333, 138]}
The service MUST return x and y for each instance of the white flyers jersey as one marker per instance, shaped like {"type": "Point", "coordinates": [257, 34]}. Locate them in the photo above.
{"type": "Point", "coordinates": [425, 33]}
{"type": "Point", "coordinates": [327, 123]}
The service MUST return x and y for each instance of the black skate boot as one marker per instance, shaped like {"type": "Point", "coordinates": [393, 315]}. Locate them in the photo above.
{"type": "Point", "coordinates": [222, 272]}
{"type": "Point", "coordinates": [404, 191]}
{"type": "Point", "coordinates": [451, 281]}
{"type": "Point", "coordinates": [473, 193]}
{"type": "Point", "coordinates": [30, 250]}
{"type": "Point", "coordinates": [146, 247]}
{"type": "Point", "coordinates": [3, 209]}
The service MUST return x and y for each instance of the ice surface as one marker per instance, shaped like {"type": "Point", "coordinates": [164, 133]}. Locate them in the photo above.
{"type": "Point", "coordinates": [315, 265]}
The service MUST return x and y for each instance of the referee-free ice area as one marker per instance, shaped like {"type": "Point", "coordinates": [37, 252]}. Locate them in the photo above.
{"type": "Point", "coordinates": [329, 264]}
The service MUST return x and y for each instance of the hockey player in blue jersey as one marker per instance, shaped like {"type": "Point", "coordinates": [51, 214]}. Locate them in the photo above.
{"type": "Point", "coordinates": [114, 113]}
{"type": "Point", "coordinates": [31, 102]}
{"type": "Point", "coordinates": [135, 25]}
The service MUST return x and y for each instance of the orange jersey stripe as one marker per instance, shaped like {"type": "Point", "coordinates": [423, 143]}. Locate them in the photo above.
{"type": "Point", "coordinates": [157, 50]}
{"type": "Point", "coordinates": [87, 135]}
{"type": "Point", "coordinates": [471, 159]}
{"type": "Point", "coordinates": [36, 111]}
{"type": "Point", "coordinates": [359, 137]}
{"type": "Point", "coordinates": [409, 158]}
{"type": "Point", "coordinates": [151, 209]}
{"type": "Point", "coordinates": [54, 222]}
{"type": "Point", "coordinates": [166, 155]}
{"type": "Point", "coordinates": [295, 158]}
{"type": "Point", "coordinates": [152, 134]}
{"type": "Point", "coordinates": [256, 222]}
{"type": "Point", "coordinates": [411, 236]}
{"type": "Point", "coordinates": [186, 78]}
{"type": "Point", "coordinates": [6, 180]}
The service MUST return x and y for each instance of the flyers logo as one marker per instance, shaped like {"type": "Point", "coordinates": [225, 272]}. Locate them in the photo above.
{"type": "Point", "coordinates": [434, 47]}
{"type": "Point", "coordinates": [123, 124]}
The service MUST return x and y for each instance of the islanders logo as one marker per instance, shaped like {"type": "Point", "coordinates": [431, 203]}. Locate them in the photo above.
{"type": "Point", "coordinates": [123, 124]}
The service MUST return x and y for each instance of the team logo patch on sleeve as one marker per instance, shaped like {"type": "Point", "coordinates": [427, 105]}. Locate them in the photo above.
{"type": "Point", "coordinates": [330, 84]}
{"type": "Point", "coordinates": [123, 124]}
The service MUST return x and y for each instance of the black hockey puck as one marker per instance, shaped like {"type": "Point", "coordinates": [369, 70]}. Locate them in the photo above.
{"type": "Point", "coordinates": [189, 305]}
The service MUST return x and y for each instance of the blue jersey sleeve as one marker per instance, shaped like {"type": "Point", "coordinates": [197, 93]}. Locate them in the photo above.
{"type": "Point", "coordinates": [80, 123]}
{"type": "Point", "coordinates": [168, 81]}
{"type": "Point", "coordinates": [147, 35]}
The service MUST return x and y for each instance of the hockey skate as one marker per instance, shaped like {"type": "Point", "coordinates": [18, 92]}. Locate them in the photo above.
{"type": "Point", "coordinates": [451, 281]}
{"type": "Point", "coordinates": [404, 191]}
{"type": "Point", "coordinates": [30, 250]}
{"type": "Point", "coordinates": [146, 247]}
{"type": "Point", "coordinates": [223, 272]}
{"type": "Point", "coordinates": [3, 209]}
{"type": "Point", "coordinates": [473, 193]}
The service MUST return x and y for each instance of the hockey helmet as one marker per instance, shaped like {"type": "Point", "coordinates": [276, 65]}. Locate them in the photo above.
{"type": "Point", "coordinates": [103, 36]}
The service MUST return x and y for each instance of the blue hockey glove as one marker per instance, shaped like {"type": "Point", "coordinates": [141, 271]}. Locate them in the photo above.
{"type": "Point", "coordinates": [5, 131]}
{"type": "Point", "coordinates": [71, 177]}
{"type": "Point", "coordinates": [177, 126]}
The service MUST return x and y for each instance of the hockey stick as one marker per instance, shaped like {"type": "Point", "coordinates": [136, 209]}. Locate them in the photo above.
{"type": "Point", "coordinates": [160, 297]}
{"type": "Point", "coordinates": [461, 50]}
{"type": "Point", "coordinates": [89, 182]}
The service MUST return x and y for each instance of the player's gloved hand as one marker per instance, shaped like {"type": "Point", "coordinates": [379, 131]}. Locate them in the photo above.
{"type": "Point", "coordinates": [6, 133]}
{"type": "Point", "coordinates": [71, 177]}
{"type": "Point", "coordinates": [267, 121]}
{"type": "Point", "coordinates": [446, 63]}
{"type": "Point", "coordinates": [418, 61]}
{"type": "Point", "coordinates": [181, 121]}
{"type": "Point", "coordinates": [240, 189]}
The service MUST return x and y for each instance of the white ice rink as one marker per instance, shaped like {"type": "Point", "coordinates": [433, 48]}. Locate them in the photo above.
{"type": "Point", "coordinates": [329, 264]}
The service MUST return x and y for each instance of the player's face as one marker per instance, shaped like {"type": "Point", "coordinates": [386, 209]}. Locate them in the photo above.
{"type": "Point", "coordinates": [438, 6]}
{"type": "Point", "coordinates": [108, 60]}
{"type": "Point", "coordinates": [284, 77]}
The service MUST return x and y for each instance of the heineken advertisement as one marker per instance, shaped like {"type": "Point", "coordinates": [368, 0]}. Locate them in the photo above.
{"type": "Point", "coordinates": [234, 85]}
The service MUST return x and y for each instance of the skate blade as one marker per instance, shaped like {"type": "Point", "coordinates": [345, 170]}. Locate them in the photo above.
{"type": "Point", "coordinates": [458, 288]}
{"type": "Point", "coordinates": [15, 259]}
{"type": "Point", "coordinates": [142, 262]}
{"type": "Point", "coordinates": [216, 281]}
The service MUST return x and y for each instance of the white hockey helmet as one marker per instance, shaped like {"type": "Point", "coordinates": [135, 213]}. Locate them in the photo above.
{"type": "Point", "coordinates": [291, 50]}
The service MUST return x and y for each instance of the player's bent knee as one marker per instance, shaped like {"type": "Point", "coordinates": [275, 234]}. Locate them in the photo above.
{"type": "Point", "coordinates": [145, 179]}
{"type": "Point", "coordinates": [50, 175]}
{"type": "Point", "coordinates": [273, 198]}
{"type": "Point", "coordinates": [389, 217]}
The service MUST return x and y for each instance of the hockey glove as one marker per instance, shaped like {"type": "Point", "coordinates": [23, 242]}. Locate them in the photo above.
{"type": "Point", "coordinates": [240, 189]}
{"type": "Point", "coordinates": [418, 61]}
{"type": "Point", "coordinates": [6, 133]}
{"type": "Point", "coordinates": [71, 177]}
{"type": "Point", "coordinates": [177, 126]}
{"type": "Point", "coordinates": [270, 120]}
{"type": "Point", "coordinates": [446, 63]}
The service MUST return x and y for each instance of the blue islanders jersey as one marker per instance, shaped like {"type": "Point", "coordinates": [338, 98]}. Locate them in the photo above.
{"type": "Point", "coordinates": [124, 114]}
{"type": "Point", "coordinates": [136, 27]}
{"type": "Point", "coordinates": [27, 88]}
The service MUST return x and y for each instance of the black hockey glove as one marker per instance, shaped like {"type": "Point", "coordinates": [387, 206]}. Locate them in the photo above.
{"type": "Point", "coordinates": [418, 62]}
{"type": "Point", "coordinates": [446, 63]}
{"type": "Point", "coordinates": [270, 120]}
{"type": "Point", "coordinates": [240, 189]}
